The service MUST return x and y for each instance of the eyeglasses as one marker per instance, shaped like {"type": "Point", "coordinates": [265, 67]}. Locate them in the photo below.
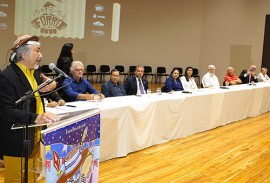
{"type": "Point", "coordinates": [78, 70]}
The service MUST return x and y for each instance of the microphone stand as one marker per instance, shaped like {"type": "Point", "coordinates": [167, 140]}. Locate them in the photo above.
{"type": "Point", "coordinates": [26, 106]}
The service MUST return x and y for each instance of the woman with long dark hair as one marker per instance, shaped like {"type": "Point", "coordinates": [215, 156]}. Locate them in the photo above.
{"type": "Point", "coordinates": [188, 81]}
{"type": "Point", "coordinates": [64, 62]}
{"type": "Point", "coordinates": [173, 82]}
{"type": "Point", "coordinates": [65, 58]}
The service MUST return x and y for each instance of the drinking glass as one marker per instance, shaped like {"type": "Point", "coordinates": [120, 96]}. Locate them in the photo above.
{"type": "Point", "coordinates": [227, 83]}
{"type": "Point", "coordinates": [96, 97]}
{"type": "Point", "coordinates": [148, 91]}
{"type": "Point", "coordinates": [159, 91]}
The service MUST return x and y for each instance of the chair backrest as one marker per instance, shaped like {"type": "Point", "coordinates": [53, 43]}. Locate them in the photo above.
{"type": "Point", "coordinates": [195, 71]}
{"type": "Point", "coordinates": [120, 68]}
{"type": "Point", "coordinates": [147, 69]}
{"type": "Point", "coordinates": [91, 68]}
{"type": "Point", "coordinates": [180, 70]}
{"type": "Point", "coordinates": [161, 70]}
{"type": "Point", "coordinates": [132, 69]}
{"type": "Point", "coordinates": [46, 69]}
{"type": "Point", "coordinates": [104, 68]}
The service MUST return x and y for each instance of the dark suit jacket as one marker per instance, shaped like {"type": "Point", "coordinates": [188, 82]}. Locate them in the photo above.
{"type": "Point", "coordinates": [245, 80]}
{"type": "Point", "coordinates": [14, 85]}
{"type": "Point", "coordinates": [107, 89]}
{"type": "Point", "coordinates": [131, 85]}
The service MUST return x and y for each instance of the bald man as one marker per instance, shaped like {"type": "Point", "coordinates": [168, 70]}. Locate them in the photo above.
{"type": "Point", "coordinates": [231, 78]}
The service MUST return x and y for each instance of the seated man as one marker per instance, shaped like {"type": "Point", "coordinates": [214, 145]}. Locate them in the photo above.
{"type": "Point", "coordinates": [210, 80]}
{"type": "Point", "coordinates": [113, 88]}
{"type": "Point", "coordinates": [249, 75]}
{"type": "Point", "coordinates": [136, 85]}
{"type": "Point", "coordinates": [263, 77]}
{"type": "Point", "coordinates": [231, 78]}
{"type": "Point", "coordinates": [79, 88]}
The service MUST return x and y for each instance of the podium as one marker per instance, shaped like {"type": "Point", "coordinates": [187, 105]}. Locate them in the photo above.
{"type": "Point", "coordinates": [71, 148]}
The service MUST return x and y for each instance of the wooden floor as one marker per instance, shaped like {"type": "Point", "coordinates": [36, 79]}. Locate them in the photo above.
{"type": "Point", "coordinates": [238, 152]}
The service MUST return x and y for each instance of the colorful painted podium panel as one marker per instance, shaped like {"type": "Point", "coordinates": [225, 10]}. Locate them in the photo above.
{"type": "Point", "coordinates": [71, 149]}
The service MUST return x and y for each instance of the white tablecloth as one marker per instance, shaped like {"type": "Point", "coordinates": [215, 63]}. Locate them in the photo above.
{"type": "Point", "coordinates": [133, 123]}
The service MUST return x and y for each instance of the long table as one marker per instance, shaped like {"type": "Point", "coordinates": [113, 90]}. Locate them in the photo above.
{"type": "Point", "coordinates": [132, 123]}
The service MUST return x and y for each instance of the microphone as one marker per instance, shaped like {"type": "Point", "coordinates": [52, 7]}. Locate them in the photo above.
{"type": "Point", "coordinates": [59, 71]}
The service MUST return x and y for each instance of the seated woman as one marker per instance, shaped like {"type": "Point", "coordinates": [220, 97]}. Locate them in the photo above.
{"type": "Point", "coordinates": [188, 81]}
{"type": "Point", "coordinates": [173, 82]}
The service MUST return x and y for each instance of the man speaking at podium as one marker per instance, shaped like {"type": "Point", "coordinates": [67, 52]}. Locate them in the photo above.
{"type": "Point", "coordinates": [18, 78]}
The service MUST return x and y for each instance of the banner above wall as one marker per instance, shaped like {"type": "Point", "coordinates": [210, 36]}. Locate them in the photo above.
{"type": "Point", "coordinates": [61, 18]}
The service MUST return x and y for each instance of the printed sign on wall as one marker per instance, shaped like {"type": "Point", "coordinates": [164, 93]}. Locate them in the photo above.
{"type": "Point", "coordinates": [48, 18]}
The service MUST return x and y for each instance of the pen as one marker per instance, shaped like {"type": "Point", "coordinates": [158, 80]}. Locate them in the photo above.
{"type": "Point", "coordinates": [71, 105]}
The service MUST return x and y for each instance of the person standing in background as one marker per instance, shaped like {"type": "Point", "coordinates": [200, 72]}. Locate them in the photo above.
{"type": "Point", "coordinates": [64, 62]}
{"type": "Point", "coordinates": [65, 58]}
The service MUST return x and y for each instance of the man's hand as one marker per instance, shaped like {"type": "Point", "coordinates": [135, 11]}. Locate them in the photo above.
{"type": "Point", "coordinates": [49, 87]}
{"type": "Point", "coordinates": [46, 117]}
{"type": "Point", "coordinates": [61, 102]}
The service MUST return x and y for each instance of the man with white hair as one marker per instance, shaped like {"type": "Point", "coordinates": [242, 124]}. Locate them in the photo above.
{"type": "Point", "coordinates": [76, 87]}
{"type": "Point", "coordinates": [263, 77]}
{"type": "Point", "coordinates": [210, 80]}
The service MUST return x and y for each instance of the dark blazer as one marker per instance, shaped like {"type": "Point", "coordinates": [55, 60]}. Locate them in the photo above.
{"type": "Point", "coordinates": [245, 80]}
{"type": "Point", "coordinates": [131, 85]}
{"type": "Point", "coordinates": [14, 85]}
{"type": "Point", "coordinates": [108, 90]}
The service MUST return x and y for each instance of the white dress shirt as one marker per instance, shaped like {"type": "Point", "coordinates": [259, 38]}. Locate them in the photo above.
{"type": "Point", "coordinates": [210, 80]}
{"type": "Point", "coordinates": [138, 86]}
{"type": "Point", "coordinates": [263, 78]}
{"type": "Point", "coordinates": [188, 85]}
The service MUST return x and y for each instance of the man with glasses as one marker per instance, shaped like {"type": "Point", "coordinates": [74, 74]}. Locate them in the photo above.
{"type": "Point", "coordinates": [76, 87]}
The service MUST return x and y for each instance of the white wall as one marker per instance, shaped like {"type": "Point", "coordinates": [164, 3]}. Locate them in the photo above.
{"type": "Point", "coordinates": [165, 32]}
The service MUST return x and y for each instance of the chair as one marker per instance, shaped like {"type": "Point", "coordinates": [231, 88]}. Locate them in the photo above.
{"type": "Point", "coordinates": [121, 69]}
{"type": "Point", "coordinates": [161, 71]}
{"type": "Point", "coordinates": [195, 74]}
{"type": "Point", "coordinates": [104, 70]}
{"type": "Point", "coordinates": [47, 71]}
{"type": "Point", "coordinates": [132, 69]}
{"type": "Point", "coordinates": [148, 72]}
{"type": "Point", "coordinates": [91, 70]}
